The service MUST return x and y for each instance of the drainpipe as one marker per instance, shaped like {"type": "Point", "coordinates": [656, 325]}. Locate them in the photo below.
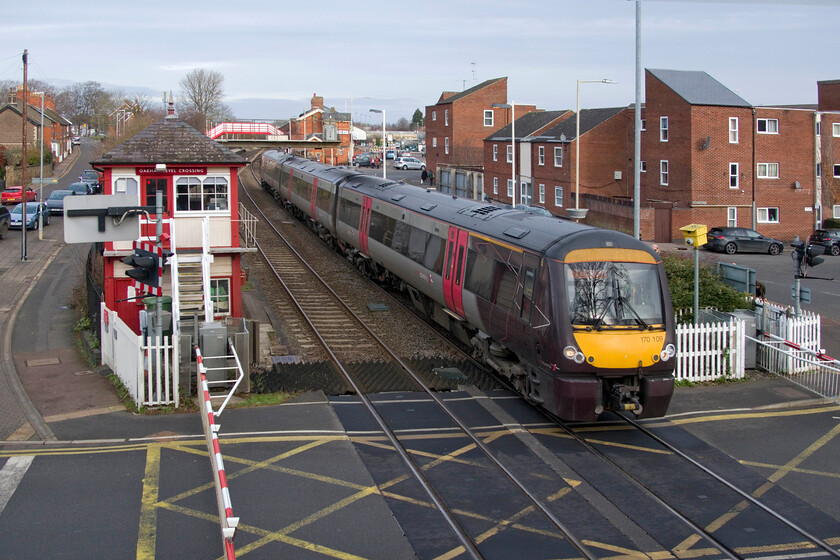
{"type": "Point", "coordinates": [752, 173]}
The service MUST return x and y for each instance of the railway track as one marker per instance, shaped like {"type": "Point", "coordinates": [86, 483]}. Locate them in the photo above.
{"type": "Point", "coordinates": [565, 533]}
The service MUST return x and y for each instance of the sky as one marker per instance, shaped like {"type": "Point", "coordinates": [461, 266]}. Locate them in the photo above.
{"type": "Point", "coordinates": [401, 55]}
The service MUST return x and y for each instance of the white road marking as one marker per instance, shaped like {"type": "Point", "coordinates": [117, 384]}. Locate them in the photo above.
{"type": "Point", "coordinates": [10, 476]}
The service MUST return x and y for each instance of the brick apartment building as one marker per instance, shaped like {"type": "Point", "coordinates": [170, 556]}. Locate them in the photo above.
{"type": "Point", "coordinates": [708, 156]}
{"type": "Point", "coordinates": [455, 129]}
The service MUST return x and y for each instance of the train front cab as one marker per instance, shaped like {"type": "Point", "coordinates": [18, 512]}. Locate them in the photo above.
{"type": "Point", "coordinates": [615, 334]}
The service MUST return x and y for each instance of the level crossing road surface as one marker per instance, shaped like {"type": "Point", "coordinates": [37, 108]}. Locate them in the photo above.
{"type": "Point", "coordinates": [307, 479]}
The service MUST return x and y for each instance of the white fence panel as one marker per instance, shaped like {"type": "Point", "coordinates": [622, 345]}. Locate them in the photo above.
{"type": "Point", "coordinates": [708, 351]}
{"type": "Point", "coordinates": [121, 352]}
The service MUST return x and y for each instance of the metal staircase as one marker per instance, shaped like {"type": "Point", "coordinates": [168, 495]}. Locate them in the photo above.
{"type": "Point", "coordinates": [190, 287]}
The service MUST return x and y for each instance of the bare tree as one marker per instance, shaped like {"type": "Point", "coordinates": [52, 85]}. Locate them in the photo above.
{"type": "Point", "coordinates": [203, 92]}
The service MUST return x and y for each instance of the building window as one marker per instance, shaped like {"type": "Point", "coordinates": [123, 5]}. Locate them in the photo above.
{"type": "Point", "coordinates": [731, 217]}
{"type": "Point", "coordinates": [510, 188]}
{"type": "Point", "coordinates": [837, 170]}
{"type": "Point", "coordinates": [127, 185]}
{"type": "Point", "coordinates": [819, 169]}
{"type": "Point", "coordinates": [767, 215]}
{"type": "Point", "coordinates": [434, 115]}
{"type": "Point", "coordinates": [733, 175]}
{"type": "Point", "coordinates": [446, 145]}
{"type": "Point", "coordinates": [768, 171]}
{"type": "Point", "coordinates": [510, 154]}
{"type": "Point", "coordinates": [495, 185]}
{"type": "Point", "coordinates": [558, 156]}
{"type": "Point", "coordinates": [558, 196]}
{"type": "Point", "coordinates": [644, 125]}
{"type": "Point", "coordinates": [733, 130]}
{"type": "Point", "coordinates": [434, 142]}
{"type": "Point", "coordinates": [835, 129]}
{"type": "Point", "coordinates": [192, 195]}
{"type": "Point", "coordinates": [835, 213]}
{"type": "Point", "coordinates": [818, 127]}
{"type": "Point", "coordinates": [488, 118]}
{"type": "Point", "coordinates": [541, 155]}
{"type": "Point", "coordinates": [663, 129]}
{"type": "Point", "coordinates": [642, 167]}
{"type": "Point", "coordinates": [663, 172]}
{"type": "Point", "coordinates": [220, 295]}
{"type": "Point", "coordinates": [495, 152]}
{"type": "Point", "coordinates": [446, 117]}
{"type": "Point", "coordinates": [767, 126]}
{"type": "Point", "coordinates": [542, 193]}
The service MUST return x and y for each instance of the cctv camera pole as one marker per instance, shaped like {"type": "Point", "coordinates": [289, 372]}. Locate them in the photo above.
{"type": "Point", "coordinates": [158, 234]}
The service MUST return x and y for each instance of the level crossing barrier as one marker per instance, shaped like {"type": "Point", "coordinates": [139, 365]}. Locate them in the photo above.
{"type": "Point", "coordinates": [226, 519]}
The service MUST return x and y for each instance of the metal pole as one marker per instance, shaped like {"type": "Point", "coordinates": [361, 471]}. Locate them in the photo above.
{"type": "Point", "coordinates": [41, 188]}
{"type": "Point", "coordinates": [696, 283]}
{"type": "Point", "coordinates": [577, 148]}
{"type": "Point", "coordinates": [23, 164]}
{"type": "Point", "coordinates": [158, 234]}
{"type": "Point", "coordinates": [384, 141]}
{"type": "Point", "coordinates": [350, 156]}
{"type": "Point", "coordinates": [637, 157]}
{"type": "Point", "coordinates": [513, 149]}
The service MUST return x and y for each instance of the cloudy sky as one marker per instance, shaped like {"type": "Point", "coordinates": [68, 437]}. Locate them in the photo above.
{"type": "Point", "coordinates": [402, 55]}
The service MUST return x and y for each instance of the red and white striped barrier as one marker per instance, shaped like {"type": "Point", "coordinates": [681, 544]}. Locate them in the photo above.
{"type": "Point", "coordinates": [227, 520]}
{"type": "Point", "coordinates": [818, 355]}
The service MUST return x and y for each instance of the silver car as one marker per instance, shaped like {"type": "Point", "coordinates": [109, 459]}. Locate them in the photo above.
{"type": "Point", "coordinates": [408, 163]}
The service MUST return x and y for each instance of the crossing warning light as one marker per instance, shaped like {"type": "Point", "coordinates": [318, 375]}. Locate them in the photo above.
{"type": "Point", "coordinates": [147, 262]}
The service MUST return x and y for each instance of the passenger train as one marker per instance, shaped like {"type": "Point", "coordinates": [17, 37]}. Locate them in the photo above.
{"type": "Point", "coordinates": [577, 318]}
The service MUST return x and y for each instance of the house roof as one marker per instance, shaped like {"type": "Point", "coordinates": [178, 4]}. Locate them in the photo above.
{"type": "Point", "coordinates": [589, 118]}
{"type": "Point", "coordinates": [170, 140]}
{"type": "Point", "coordinates": [526, 125]}
{"type": "Point", "coordinates": [33, 113]}
{"type": "Point", "coordinates": [333, 115]}
{"type": "Point", "coordinates": [698, 88]}
{"type": "Point", "coordinates": [448, 97]}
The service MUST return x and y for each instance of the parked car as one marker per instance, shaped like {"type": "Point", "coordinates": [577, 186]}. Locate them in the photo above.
{"type": "Point", "coordinates": [534, 209]}
{"type": "Point", "coordinates": [92, 178]}
{"type": "Point", "coordinates": [76, 141]}
{"type": "Point", "coordinates": [13, 195]}
{"type": "Point", "coordinates": [55, 203]}
{"type": "Point", "coordinates": [828, 238]}
{"type": "Point", "coordinates": [732, 240]}
{"type": "Point", "coordinates": [408, 163]}
{"type": "Point", "coordinates": [80, 188]}
{"type": "Point", "coordinates": [5, 221]}
{"type": "Point", "coordinates": [33, 211]}
{"type": "Point", "coordinates": [390, 154]}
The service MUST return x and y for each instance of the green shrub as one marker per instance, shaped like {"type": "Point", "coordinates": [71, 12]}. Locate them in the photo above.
{"type": "Point", "coordinates": [714, 292]}
{"type": "Point", "coordinates": [831, 223]}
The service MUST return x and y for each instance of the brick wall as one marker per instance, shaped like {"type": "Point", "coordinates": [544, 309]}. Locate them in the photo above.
{"type": "Point", "coordinates": [828, 95]}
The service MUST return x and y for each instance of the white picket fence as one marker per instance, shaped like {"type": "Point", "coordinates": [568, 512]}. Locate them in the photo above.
{"type": "Point", "coordinates": [708, 351]}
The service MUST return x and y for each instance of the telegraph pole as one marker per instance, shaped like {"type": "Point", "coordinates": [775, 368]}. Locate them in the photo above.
{"type": "Point", "coordinates": [23, 163]}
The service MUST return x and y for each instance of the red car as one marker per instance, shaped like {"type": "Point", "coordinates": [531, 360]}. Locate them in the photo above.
{"type": "Point", "coordinates": [12, 195]}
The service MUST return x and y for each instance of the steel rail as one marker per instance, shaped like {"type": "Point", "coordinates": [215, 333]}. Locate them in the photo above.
{"type": "Point", "coordinates": [805, 533]}
{"type": "Point", "coordinates": [476, 440]}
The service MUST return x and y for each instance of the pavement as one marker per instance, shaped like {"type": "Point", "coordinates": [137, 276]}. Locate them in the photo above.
{"type": "Point", "coordinates": [45, 380]}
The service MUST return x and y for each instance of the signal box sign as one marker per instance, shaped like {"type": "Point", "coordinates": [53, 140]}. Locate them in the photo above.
{"type": "Point", "coordinates": [182, 170]}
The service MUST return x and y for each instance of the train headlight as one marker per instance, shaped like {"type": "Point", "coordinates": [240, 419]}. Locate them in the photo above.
{"type": "Point", "coordinates": [574, 354]}
{"type": "Point", "coordinates": [669, 352]}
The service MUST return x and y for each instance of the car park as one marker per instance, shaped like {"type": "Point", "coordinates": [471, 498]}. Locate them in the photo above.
{"type": "Point", "coordinates": [828, 238]}
{"type": "Point", "coordinates": [408, 163]}
{"type": "Point", "coordinates": [80, 188]}
{"type": "Point", "coordinates": [5, 221]}
{"type": "Point", "coordinates": [14, 195]}
{"type": "Point", "coordinates": [731, 240]}
{"type": "Point", "coordinates": [55, 202]}
{"type": "Point", "coordinates": [34, 212]}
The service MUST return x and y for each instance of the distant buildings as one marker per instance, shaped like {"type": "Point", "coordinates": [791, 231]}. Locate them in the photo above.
{"type": "Point", "coordinates": [708, 156]}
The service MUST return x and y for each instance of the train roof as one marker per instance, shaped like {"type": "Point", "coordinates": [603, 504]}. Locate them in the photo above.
{"type": "Point", "coordinates": [551, 236]}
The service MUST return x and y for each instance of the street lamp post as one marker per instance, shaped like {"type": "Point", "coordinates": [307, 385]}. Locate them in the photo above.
{"type": "Point", "coordinates": [578, 212]}
{"type": "Point", "coordinates": [41, 181]}
{"type": "Point", "coordinates": [512, 108]}
{"type": "Point", "coordinates": [384, 141]}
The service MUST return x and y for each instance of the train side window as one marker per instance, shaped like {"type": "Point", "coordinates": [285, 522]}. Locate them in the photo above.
{"type": "Point", "coordinates": [458, 273]}
{"type": "Point", "coordinates": [479, 278]}
{"type": "Point", "coordinates": [402, 231]}
{"type": "Point", "coordinates": [433, 257]}
{"type": "Point", "coordinates": [376, 229]}
{"type": "Point", "coordinates": [527, 294]}
{"type": "Point", "coordinates": [350, 213]}
{"type": "Point", "coordinates": [505, 285]}
{"type": "Point", "coordinates": [417, 245]}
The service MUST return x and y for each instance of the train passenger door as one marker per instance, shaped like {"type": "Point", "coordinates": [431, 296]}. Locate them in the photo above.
{"type": "Point", "coordinates": [528, 277]}
{"type": "Point", "coordinates": [364, 223]}
{"type": "Point", "coordinates": [288, 193]}
{"type": "Point", "coordinates": [313, 197]}
{"type": "Point", "coordinates": [453, 273]}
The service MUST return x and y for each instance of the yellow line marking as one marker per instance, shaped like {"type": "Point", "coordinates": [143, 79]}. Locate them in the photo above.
{"type": "Point", "coordinates": [146, 538]}
{"type": "Point", "coordinates": [802, 471]}
{"type": "Point", "coordinates": [771, 482]}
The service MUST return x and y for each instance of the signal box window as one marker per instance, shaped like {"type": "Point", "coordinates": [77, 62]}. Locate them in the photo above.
{"type": "Point", "coordinates": [152, 186]}
{"type": "Point", "coordinates": [220, 295]}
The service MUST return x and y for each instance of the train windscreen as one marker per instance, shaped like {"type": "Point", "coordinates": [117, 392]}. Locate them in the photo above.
{"type": "Point", "coordinates": [608, 294]}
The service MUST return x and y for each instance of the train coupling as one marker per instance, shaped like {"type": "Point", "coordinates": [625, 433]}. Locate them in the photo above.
{"type": "Point", "coordinates": [625, 398]}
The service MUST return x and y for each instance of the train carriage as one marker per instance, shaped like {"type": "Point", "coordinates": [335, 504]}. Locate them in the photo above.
{"type": "Point", "coordinates": [578, 318]}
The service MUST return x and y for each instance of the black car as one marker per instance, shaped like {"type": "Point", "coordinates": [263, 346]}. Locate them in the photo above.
{"type": "Point", "coordinates": [5, 221]}
{"type": "Point", "coordinates": [733, 240]}
{"type": "Point", "coordinates": [828, 238]}
{"type": "Point", "coordinates": [91, 177]}
{"type": "Point", "coordinates": [80, 188]}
